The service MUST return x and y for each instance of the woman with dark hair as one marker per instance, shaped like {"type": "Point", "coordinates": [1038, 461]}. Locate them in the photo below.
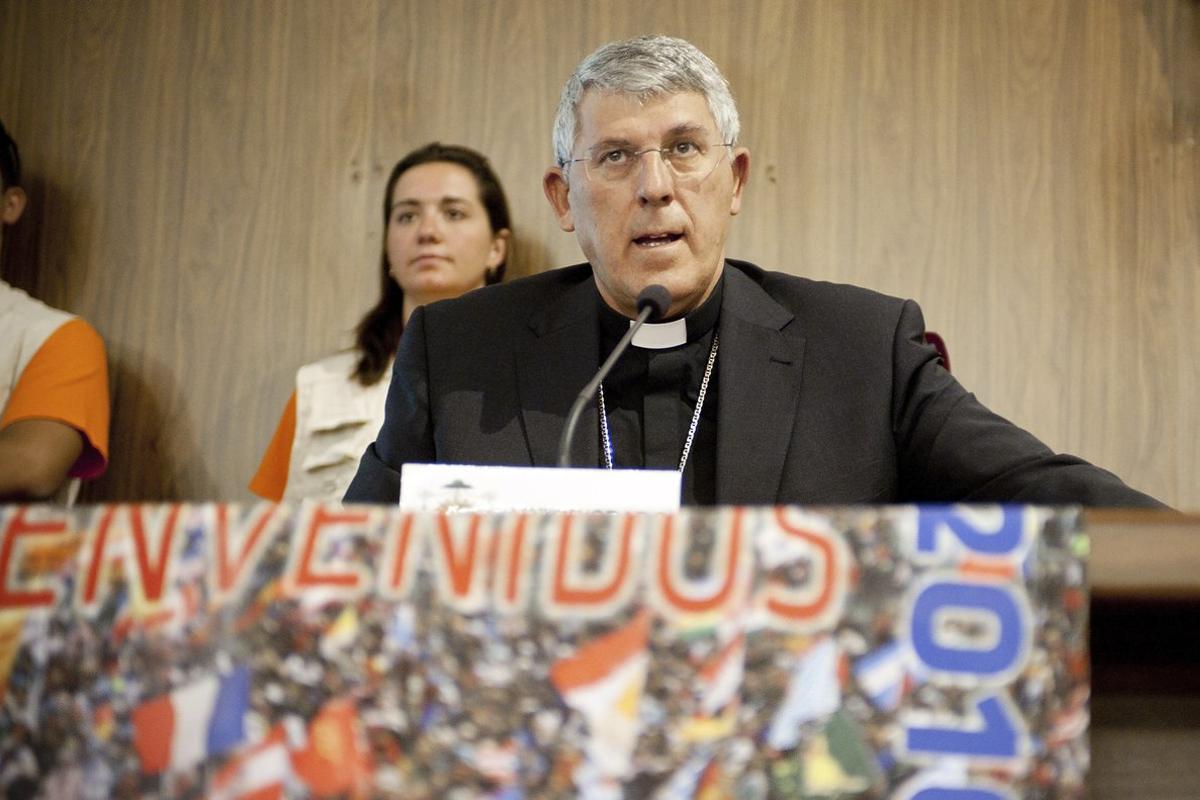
{"type": "Point", "coordinates": [446, 232]}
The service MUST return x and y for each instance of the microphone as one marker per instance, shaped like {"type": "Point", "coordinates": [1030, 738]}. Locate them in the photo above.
{"type": "Point", "coordinates": [652, 304]}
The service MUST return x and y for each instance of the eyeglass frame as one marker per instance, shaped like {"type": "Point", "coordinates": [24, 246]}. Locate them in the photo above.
{"type": "Point", "coordinates": [636, 156]}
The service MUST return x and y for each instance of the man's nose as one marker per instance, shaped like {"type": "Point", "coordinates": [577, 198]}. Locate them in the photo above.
{"type": "Point", "coordinates": [656, 182]}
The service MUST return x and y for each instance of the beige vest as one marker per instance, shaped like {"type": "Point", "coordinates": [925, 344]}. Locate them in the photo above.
{"type": "Point", "coordinates": [25, 324]}
{"type": "Point", "coordinates": [336, 418]}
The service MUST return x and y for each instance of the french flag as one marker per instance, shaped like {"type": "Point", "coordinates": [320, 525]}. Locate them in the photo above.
{"type": "Point", "coordinates": [179, 730]}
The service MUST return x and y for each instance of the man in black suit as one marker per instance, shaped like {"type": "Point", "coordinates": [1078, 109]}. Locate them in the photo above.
{"type": "Point", "coordinates": [763, 388]}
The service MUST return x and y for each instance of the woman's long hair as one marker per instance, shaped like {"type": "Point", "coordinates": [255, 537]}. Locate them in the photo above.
{"type": "Point", "coordinates": [10, 161]}
{"type": "Point", "coordinates": [378, 333]}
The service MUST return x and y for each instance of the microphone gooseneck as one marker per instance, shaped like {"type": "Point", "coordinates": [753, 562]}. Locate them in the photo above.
{"type": "Point", "coordinates": [652, 304]}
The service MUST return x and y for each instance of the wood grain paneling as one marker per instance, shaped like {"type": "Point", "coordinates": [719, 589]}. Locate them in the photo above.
{"type": "Point", "coordinates": [206, 180]}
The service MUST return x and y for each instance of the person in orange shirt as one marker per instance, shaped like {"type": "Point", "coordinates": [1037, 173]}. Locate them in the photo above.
{"type": "Point", "coordinates": [446, 232]}
{"type": "Point", "coordinates": [53, 381]}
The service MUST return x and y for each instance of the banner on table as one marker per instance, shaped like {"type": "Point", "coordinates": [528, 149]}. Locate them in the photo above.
{"type": "Point", "coordinates": [926, 653]}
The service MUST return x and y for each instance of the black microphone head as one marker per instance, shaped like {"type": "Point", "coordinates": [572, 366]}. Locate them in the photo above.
{"type": "Point", "coordinates": [657, 298]}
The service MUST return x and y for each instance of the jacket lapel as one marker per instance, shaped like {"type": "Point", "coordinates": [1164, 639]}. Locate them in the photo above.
{"type": "Point", "coordinates": [552, 366]}
{"type": "Point", "coordinates": [759, 368]}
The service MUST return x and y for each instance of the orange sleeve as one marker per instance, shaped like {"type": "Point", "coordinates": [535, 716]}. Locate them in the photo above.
{"type": "Point", "coordinates": [67, 381]}
{"type": "Point", "coordinates": [272, 476]}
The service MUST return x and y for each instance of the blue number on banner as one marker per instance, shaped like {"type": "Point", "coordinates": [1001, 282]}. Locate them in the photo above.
{"type": "Point", "coordinates": [998, 738]}
{"type": "Point", "coordinates": [956, 794]}
{"type": "Point", "coordinates": [1005, 539]}
{"type": "Point", "coordinates": [996, 601]}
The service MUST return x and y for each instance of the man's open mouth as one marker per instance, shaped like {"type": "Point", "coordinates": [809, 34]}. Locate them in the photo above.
{"type": "Point", "coordinates": [657, 239]}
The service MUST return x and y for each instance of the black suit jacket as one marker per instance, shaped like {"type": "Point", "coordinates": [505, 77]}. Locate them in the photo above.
{"type": "Point", "coordinates": [828, 395]}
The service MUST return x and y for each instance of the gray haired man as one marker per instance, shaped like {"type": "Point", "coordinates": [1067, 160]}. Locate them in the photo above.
{"type": "Point", "coordinates": [761, 387]}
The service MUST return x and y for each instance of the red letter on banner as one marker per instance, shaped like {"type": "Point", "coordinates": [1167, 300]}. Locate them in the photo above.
{"type": "Point", "coordinates": [512, 566]}
{"type": "Point", "coordinates": [248, 531]}
{"type": "Point", "coordinates": [728, 531]}
{"type": "Point", "coordinates": [311, 525]}
{"type": "Point", "coordinates": [18, 526]}
{"type": "Point", "coordinates": [152, 573]}
{"type": "Point", "coordinates": [458, 567]}
{"type": "Point", "coordinates": [812, 608]}
{"type": "Point", "coordinates": [460, 553]}
{"type": "Point", "coordinates": [571, 590]}
{"type": "Point", "coordinates": [399, 565]}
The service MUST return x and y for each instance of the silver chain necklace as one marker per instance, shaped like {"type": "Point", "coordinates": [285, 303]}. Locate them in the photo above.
{"type": "Point", "coordinates": [691, 434]}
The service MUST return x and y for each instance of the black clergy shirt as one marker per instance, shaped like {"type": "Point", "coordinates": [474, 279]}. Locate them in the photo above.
{"type": "Point", "coordinates": [650, 397]}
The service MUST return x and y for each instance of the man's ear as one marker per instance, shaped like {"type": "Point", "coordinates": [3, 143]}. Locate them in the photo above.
{"type": "Point", "coordinates": [558, 192]}
{"type": "Point", "coordinates": [741, 176]}
{"type": "Point", "coordinates": [12, 204]}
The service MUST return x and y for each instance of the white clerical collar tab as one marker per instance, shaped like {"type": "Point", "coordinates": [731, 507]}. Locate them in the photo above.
{"type": "Point", "coordinates": [660, 335]}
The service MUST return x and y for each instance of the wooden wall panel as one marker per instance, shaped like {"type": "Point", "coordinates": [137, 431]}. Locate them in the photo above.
{"type": "Point", "coordinates": [207, 176]}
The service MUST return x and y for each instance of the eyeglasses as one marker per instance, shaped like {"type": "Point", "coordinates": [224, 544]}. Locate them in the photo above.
{"type": "Point", "coordinates": [689, 160]}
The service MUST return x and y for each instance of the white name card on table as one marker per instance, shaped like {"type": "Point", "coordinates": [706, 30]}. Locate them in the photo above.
{"type": "Point", "coordinates": [465, 487]}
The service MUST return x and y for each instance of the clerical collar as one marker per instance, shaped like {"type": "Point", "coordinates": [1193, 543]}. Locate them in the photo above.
{"type": "Point", "coordinates": [663, 335]}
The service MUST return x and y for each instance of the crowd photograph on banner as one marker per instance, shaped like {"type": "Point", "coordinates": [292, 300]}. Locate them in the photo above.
{"type": "Point", "coordinates": [749, 653]}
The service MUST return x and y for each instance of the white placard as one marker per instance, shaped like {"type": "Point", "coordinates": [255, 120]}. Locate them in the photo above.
{"type": "Point", "coordinates": [464, 487]}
